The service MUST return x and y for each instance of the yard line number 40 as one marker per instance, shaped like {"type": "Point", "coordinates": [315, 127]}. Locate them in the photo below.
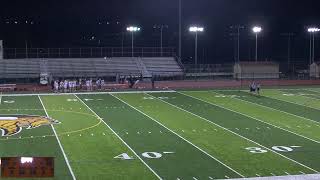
{"type": "Point", "coordinates": [258, 150]}
{"type": "Point", "coordinates": [149, 155]}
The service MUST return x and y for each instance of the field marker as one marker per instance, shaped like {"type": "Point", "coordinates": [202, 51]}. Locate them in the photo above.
{"type": "Point", "coordinates": [121, 140]}
{"type": "Point", "coordinates": [0, 98]}
{"type": "Point", "coordinates": [241, 135]}
{"type": "Point", "coordinates": [227, 177]}
{"type": "Point", "coordinates": [272, 174]}
{"type": "Point", "coordinates": [178, 134]}
{"type": "Point", "coordinates": [258, 119]}
{"type": "Point", "coordinates": [258, 175]}
{"type": "Point", "coordinates": [55, 133]}
{"type": "Point", "coordinates": [302, 172]}
{"type": "Point", "coordinates": [194, 178]}
{"type": "Point", "coordinates": [287, 173]}
{"type": "Point", "coordinates": [210, 177]}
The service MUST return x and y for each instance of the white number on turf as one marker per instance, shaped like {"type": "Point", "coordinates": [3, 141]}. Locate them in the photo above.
{"type": "Point", "coordinates": [152, 155]}
{"type": "Point", "coordinates": [149, 155]}
{"type": "Point", "coordinates": [288, 94]}
{"type": "Point", "coordinates": [72, 100]}
{"type": "Point", "coordinates": [282, 148]}
{"type": "Point", "coordinates": [258, 150]}
{"type": "Point", "coordinates": [9, 102]}
{"type": "Point", "coordinates": [148, 98]}
{"type": "Point", "coordinates": [123, 156]}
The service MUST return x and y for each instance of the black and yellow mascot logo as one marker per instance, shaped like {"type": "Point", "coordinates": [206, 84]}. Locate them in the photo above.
{"type": "Point", "coordinates": [12, 125]}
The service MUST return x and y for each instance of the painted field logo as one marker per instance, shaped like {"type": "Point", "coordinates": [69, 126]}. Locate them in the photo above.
{"type": "Point", "coordinates": [12, 125]}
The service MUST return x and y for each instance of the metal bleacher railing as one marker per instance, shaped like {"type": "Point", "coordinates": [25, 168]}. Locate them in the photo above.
{"type": "Point", "coordinates": [89, 52]}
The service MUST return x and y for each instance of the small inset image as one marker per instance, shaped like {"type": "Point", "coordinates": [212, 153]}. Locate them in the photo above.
{"type": "Point", "coordinates": [27, 167]}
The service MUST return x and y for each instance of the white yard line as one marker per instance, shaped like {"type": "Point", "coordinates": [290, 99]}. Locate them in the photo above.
{"type": "Point", "coordinates": [262, 120]}
{"type": "Point", "coordinates": [241, 135]}
{"type": "Point", "coordinates": [1, 98]}
{"type": "Point", "coordinates": [179, 136]}
{"type": "Point", "coordinates": [60, 145]}
{"type": "Point", "coordinates": [120, 139]}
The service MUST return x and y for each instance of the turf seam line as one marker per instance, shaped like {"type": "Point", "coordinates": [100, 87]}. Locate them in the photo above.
{"type": "Point", "coordinates": [61, 148]}
{"type": "Point", "coordinates": [120, 138]}
{"type": "Point", "coordinates": [270, 124]}
{"type": "Point", "coordinates": [179, 136]}
{"type": "Point", "coordinates": [243, 136]}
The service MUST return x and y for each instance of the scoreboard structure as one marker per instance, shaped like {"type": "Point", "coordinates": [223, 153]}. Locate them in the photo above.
{"type": "Point", "coordinates": [27, 167]}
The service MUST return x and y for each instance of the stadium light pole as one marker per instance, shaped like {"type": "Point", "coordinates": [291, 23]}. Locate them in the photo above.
{"type": "Point", "coordinates": [196, 30]}
{"type": "Point", "coordinates": [132, 29]}
{"type": "Point", "coordinates": [161, 27]}
{"type": "Point", "coordinates": [312, 31]}
{"type": "Point", "coordinates": [238, 27]}
{"type": "Point", "coordinates": [256, 30]}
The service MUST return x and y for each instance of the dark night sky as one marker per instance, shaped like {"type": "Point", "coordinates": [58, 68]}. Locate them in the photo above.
{"type": "Point", "coordinates": [71, 23]}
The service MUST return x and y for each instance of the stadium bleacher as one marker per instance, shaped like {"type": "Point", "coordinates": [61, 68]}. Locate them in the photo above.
{"type": "Point", "coordinates": [89, 67]}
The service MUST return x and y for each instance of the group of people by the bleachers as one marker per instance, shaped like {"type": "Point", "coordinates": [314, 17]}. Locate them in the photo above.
{"type": "Point", "coordinates": [72, 85]}
{"type": "Point", "coordinates": [255, 88]}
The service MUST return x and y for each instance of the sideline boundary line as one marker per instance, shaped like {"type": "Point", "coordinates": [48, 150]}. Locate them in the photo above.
{"type": "Point", "coordinates": [178, 136]}
{"type": "Point", "coordinates": [55, 133]}
{"type": "Point", "coordinates": [79, 93]}
{"type": "Point", "coordinates": [120, 138]}
{"type": "Point", "coordinates": [243, 136]}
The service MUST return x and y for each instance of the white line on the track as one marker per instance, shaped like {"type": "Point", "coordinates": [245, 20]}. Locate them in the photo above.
{"type": "Point", "coordinates": [258, 175]}
{"type": "Point", "coordinates": [241, 135]}
{"type": "Point", "coordinates": [302, 172]}
{"type": "Point", "coordinates": [60, 145]}
{"type": "Point", "coordinates": [287, 173]}
{"type": "Point", "coordinates": [272, 174]}
{"type": "Point", "coordinates": [210, 177]}
{"type": "Point", "coordinates": [121, 139]}
{"type": "Point", "coordinates": [178, 134]}
{"type": "Point", "coordinates": [194, 178]}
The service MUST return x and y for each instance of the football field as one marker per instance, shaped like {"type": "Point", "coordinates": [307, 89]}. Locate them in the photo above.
{"type": "Point", "coordinates": [174, 135]}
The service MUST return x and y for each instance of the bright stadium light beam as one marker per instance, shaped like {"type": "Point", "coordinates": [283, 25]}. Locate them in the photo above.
{"type": "Point", "coordinates": [312, 31]}
{"type": "Point", "coordinates": [196, 30]}
{"type": "Point", "coordinates": [256, 30]}
{"type": "Point", "coordinates": [132, 29]}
